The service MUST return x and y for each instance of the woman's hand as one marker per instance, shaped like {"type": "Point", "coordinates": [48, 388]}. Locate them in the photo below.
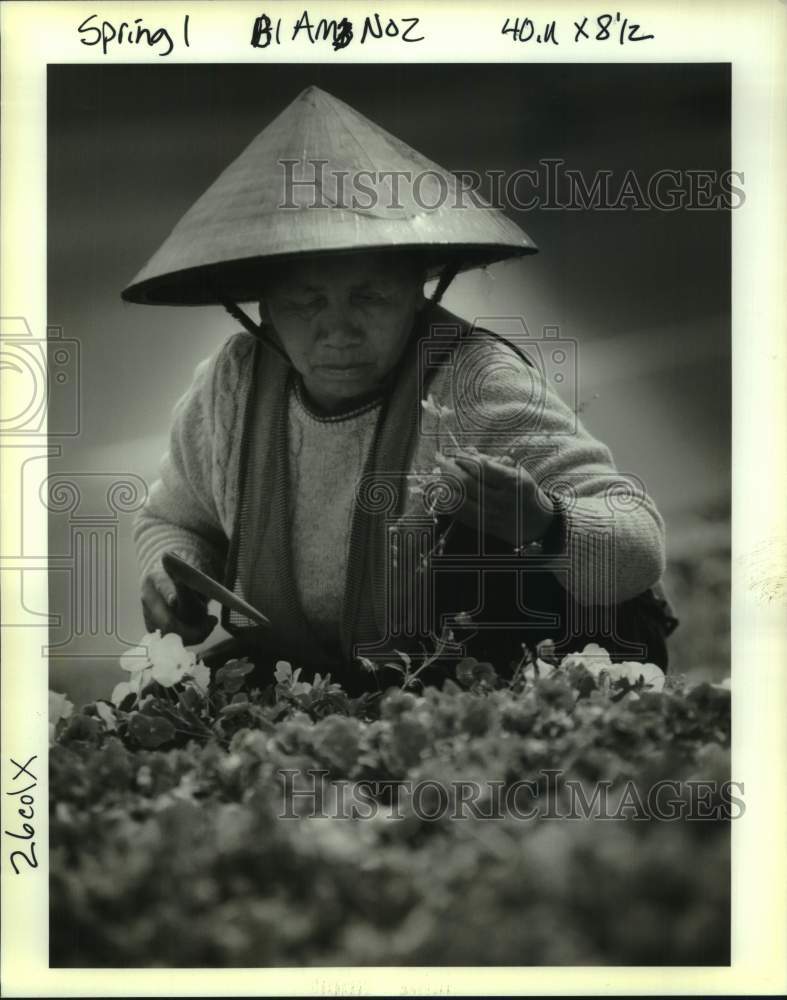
{"type": "Point", "coordinates": [503, 499]}
{"type": "Point", "coordinates": [176, 609]}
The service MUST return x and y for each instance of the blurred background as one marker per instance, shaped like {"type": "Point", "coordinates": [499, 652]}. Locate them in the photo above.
{"type": "Point", "coordinates": [644, 293]}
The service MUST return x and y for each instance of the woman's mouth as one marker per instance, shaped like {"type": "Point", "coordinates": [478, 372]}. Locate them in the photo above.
{"type": "Point", "coordinates": [344, 371]}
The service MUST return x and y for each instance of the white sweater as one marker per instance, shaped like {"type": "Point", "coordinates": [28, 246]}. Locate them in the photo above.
{"type": "Point", "coordinates": [191, 508]}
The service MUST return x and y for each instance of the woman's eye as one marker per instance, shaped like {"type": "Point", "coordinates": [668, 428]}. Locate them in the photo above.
{"type": "Point", "coordinates": [310, 305]}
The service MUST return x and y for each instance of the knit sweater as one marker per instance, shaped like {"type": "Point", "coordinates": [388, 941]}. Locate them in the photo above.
{"type": "Point", "coordinates": [614, 536]}
{"type": "Point", "coordinates": [326, 458]}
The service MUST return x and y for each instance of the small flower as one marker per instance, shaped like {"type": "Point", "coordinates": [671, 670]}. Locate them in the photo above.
{"type": "Point", "coordinates": [200, 674]}
{"type": "Point", "coordinates": [119, 692]}
{"type": "Point", "coordinates": [171, 662]}
{"type": "Point", "coordinates": [545, 650]}
{"type": "Point", "coordinates": [283, 672]}
{"type": "Point", "coordinates": [435, 409]}
{"type": "Point", "coordinates": [144, 778]}
{"type": "Point", "coordinates": [59, 708]}
{"type": "Point", "coordinates": [106, 715]}
{"type": "Point", "coordinates": [137, 659]}
{"type": "Point", "coordinates": [725, 685]}
{"type": "Point", "coordinates": [125, 688]}
{"type": "Point", "coordinates": [593, 658]}
{"type": "Point", "coordinates": [165, 655]}
{"type": "Point", "coordinates": [646, 675]}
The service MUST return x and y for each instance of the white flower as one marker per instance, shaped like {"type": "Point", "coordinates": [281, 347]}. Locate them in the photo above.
{"type": "Point", "coordinates": [435, 409]}
{"type": "Point", "coordinates": [137, 658]}
{"type": "Point", "coordinates": [200, 675]}
{"type": "Point", "coordinates": [165, 655]}
{"type": "Point", "coordinates": [647, 675]}
{"type": "Point", "coordinates": [170, 660]}
{"type": "Point", "coordinates": [59, 708]}
{"type": "Point", "coordinates": [282, 671]}
{"type": "Point", "coordinates": [106, 715]}
{"type": "Point", "coordinates": [593, 658]}
{"type": "Point", "coordinates": [119, 692]}
{"type": "Point", "coordinates": [124, 688]}
{"type": "Point", "coordinates": [725, 685]}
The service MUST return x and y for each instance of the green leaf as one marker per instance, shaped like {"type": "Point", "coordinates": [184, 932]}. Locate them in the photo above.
{"type": "Point", "coordinates": [190, 700]}
{"type": "Point", "coordinates": [79, 727]}
{"type": "Point", "coordinates": [150, 731]}
{"type": "Point", "coordinates": [191, 706]}
{"type": "Point", "coordinates": [485, 672]}
{"type": "Point", "coordinates": [231, 675]}
{"type": "Point", "coordinates": [465, 670]}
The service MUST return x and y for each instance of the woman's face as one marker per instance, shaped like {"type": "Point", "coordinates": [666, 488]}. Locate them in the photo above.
{"type": "Point", "coordinates": [344, 320]}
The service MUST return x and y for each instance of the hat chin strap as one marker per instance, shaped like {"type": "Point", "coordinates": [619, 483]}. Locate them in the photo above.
{"type": "Point", "coordinates": [447, 275]}
{"type": "Point", "coordinates": [258, 330]}
{"type": "Point", "coordinates": [255, 329]}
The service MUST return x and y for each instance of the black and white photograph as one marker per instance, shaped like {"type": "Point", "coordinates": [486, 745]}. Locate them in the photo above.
{"type": "Point", "coordinates": [383, 430]}
{"type": "Point", "coordinates": [439, 368]}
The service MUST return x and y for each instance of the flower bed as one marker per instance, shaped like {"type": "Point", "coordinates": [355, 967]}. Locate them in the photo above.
{"type": "Point", "coordinates": [182, 826]}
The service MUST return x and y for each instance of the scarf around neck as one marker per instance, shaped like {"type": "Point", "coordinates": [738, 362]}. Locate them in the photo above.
{"type": "Point", "coordinates": [260, 563]}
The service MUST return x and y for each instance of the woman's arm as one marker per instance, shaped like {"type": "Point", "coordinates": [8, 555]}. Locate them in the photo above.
{"type": "Point", "coordinates": [189, 509]}
{"type": "Point", "coordinates": [612, 537]}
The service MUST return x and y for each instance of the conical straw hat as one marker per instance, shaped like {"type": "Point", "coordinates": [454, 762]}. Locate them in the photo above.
{"type": "Point", "coordinates": [253, 214]}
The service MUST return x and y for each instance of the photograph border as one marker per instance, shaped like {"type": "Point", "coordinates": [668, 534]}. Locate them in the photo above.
{"type": "Point", "coordinates": [754, 41]}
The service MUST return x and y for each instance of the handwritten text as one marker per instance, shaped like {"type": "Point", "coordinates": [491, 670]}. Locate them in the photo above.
{"type": "Point", "coordinates": [26, 811]}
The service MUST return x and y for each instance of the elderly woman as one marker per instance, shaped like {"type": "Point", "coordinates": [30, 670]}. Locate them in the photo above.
{"type": "Point", "coordinates": [368, 470]}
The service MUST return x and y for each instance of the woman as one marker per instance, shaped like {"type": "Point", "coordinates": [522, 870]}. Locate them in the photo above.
{"type": "Point", "coordinates": [359, 492]}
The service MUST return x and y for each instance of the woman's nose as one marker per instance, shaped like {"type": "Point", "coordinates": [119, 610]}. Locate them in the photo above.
{"type": "Point", "coordinates": [339, 328]}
